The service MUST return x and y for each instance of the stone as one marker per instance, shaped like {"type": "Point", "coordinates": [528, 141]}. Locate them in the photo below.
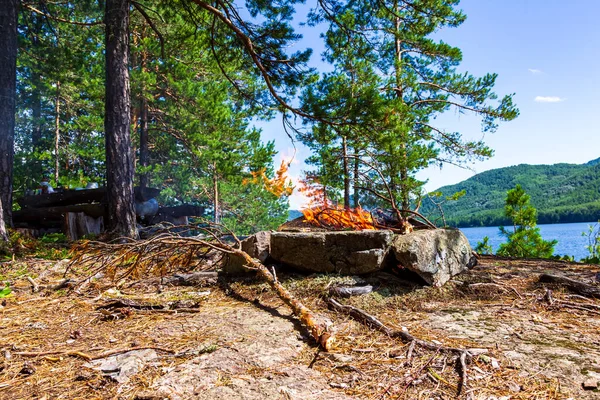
{"type": "Point", "coordinates": [122, 367]}
{"type": "Point", "coordinates": [434, 254]}
{"type": "Point", "coordinates": [590, 384]}
{"type": "Point", "coordinates": [257, 246]}
{"type": "Point", "coordinates": [343, 252]}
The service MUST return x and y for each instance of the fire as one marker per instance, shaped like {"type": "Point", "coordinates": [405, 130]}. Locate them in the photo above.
{"type": "Point", "coordinates": [280, 185]}
{"type": "Point", "coordinates": [322, 212]}
{"type": "Point", "coordinates": [338, 217]}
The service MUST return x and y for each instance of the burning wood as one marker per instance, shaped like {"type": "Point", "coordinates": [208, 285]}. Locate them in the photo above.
{"type": "Point", "coordinates": [337, 217]}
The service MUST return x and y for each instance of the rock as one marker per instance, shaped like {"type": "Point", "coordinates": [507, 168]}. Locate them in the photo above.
{"type": "Point", "coordinates": [434, 254]}
{"type": "Point", "coordinates": [513, 387]}
{"type": "Point", "coordinates": [257, 246]}
{"type": "Point", "coordinates": [146, 209]}
{"type": "Point", "coordinates": [122, 367]}
{"type": "Point", "coordinates": [590, 384]}
{"type": "Point", "coordinates": [345, 252]}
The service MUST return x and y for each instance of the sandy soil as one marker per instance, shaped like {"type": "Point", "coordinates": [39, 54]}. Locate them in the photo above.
{"type": "Point", "coordinates": [236, 340]}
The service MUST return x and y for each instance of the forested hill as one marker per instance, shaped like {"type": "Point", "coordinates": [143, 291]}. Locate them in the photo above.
{"type": "Point", "coordinates": [560, 192]}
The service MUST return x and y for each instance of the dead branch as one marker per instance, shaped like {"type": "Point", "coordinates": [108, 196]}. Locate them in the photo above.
{"type": "Point", "coordinates": [127, 350]}
{"type": "Point", "coordinates": [372, 322]}
{"type": "Point", "coordinates": [75, 353]}
{"type": "Point", "coordinates": [349, 291]}
{"type": "Point", "coordinates": [463, 372]}
{"type": "Point", "coordinates": [168, 253]}
{"type": "Point", "coordinates": [34, 286]}
{"type": "Point", "coordinates": [571, 285]}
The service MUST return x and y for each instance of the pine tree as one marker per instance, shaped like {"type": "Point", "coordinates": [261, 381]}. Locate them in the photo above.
{"type": "Point", "coordinates": [407, 80]}
{"type": "Point", "coordinates": [524, 240]}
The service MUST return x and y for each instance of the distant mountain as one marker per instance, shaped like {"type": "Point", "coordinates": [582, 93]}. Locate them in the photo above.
{"type": "Point", "coordinates": [560, 192]}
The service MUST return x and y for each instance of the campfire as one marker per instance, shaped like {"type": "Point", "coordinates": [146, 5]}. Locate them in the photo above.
{"type": "Point", "coordinates": [339, 218]}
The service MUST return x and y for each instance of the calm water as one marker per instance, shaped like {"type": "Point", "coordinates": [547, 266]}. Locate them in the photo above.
{"type": "Point", "coordinates": [570, 240]}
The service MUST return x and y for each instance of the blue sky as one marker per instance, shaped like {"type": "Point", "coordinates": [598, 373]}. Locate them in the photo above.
{"type": "Point", "coordinates": [545, 51]}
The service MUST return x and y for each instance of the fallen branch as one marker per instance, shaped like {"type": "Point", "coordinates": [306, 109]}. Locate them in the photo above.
{"type": "Point", "coordinates": [167, 253]}
{"type": "Point", "coordinates": [463, 372]}
{"type": "Point", "coordinates": [34, 286]}
{"type": "Point", "coordinates": [120, 351]}
{"type": "Point", "coordinates": [498, 286]}
{"type": "Point", "coordinates": [372, 322]}
{"type": "Point", "coordinates": [555, 303]}
{"type": "Point", "coordinates": [75, 353]}
{"type": "Point", "coordinates": [192, 279]}
{"type": "Point", "coordinates": [572, 285]}
{"type": "Point", "coordinates": [349, 291]}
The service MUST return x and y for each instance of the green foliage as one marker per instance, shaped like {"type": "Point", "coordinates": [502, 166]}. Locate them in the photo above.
{"type": "Point", "coordinates": [593, 246]}
{"type": "Point", "coordinates": [560, 193]}
{"type": "Point", "coordinates": [484, 246]}
{"type": "Point", "coordinates": [52, 246]}
{"type": "Point", "coordinates": [524, 240]}
{"type": "Point", "coordinates": [5, 292]}
{"type": "Point", "coordinates": [392, 79]}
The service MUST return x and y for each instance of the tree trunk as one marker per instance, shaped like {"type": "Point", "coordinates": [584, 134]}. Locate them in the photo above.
{"type": "Point", "coordinates": [356, 180]}
{"type": "Point", "coordinates": [57, 134]}
{"type": "Point", "coordinates": [144, 153]}
{"type": "Point", "coordinates": [404, 189]}
{"type": "Point", "coordinates": [3, 234]}
{"type": "Point", "coordinates": [119, 159]}
{"type": "Point", "coordinates": [217, 210]}
{"type": "Point", "coordinates": [8, 81]}
{"type": "Point", "coordinates": [346, 173]}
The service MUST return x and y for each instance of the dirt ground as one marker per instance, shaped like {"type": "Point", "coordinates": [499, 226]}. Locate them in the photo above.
{"type": "Point", "coordinates": [234, 339]}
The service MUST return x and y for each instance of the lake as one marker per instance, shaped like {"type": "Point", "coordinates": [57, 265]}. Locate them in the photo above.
{"type": "Point", "coordinates": [570, 240]}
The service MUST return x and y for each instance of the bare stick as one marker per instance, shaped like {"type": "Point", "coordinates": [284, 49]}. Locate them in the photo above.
{"type": "Point", "coordinates": [463, 372]}
{"type": "Point", "coordinates": [374, 323]}
{"type": "Point", "coordinates": [572, 285]}
{"type": "Point", "coordinates": [34, 286]}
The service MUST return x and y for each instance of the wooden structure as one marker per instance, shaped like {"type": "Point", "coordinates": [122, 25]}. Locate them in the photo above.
{"type": "Point", "coordinates": [78, 213]}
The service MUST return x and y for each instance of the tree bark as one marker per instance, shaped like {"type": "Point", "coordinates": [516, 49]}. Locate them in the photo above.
{"type": "Point", "coordinates": [3, 234]}
{"type": "Point", "coordinates": [404, 189]}
{"type": "Point", "coordinates": [346, 173]}
{"type": "Point", "coordinates": [356, 180]}
{"type": "Point", "coordinates": [8, 81]}
{"type": "Point", "coordinates": [119, 158]}
{"type": "Point", "coordinates": [217, 209]}
{"type": "Point", "coordinates": [57, 134]}
{"type": "Point", "coordinates": [144, 153]}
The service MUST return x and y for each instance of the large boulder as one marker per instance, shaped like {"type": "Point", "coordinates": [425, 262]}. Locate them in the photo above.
{"type": "Point", "coordinates": [345, 252]}
{"type": "Point", "coordinates": [257, 246]}
{"type": "Point", "coordinates": [434, 254]}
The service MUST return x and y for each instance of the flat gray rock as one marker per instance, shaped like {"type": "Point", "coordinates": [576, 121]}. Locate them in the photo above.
{"type": "Point", "coordinates": [345, 252]}
{"type": "Point", "coordinates": [435, 254]}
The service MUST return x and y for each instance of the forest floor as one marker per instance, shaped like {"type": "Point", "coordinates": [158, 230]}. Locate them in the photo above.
{"type": "Point", "coordinates": [235, 339]}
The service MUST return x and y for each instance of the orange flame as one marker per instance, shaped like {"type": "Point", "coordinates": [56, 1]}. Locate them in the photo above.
{"type": "Point", "coordinates": [323, 213]}
{"type": "Point", "coordinates": [280, 185]}
{"type": "Point", "coordinates": [338, 217]}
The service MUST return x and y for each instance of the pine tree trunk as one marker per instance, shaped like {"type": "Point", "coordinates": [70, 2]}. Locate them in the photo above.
{"type": "Point", "coordinates": [356, 180]}
{"type": "Point", "coordinates": [346, 173]}
{"type": "Point", "coordinates": [57, 134]}
{"type": "Point", "coordinates": [119, 158]}
{"type": "Point", "coordinates": [8, 80]}
{"type": "Point", "coordinates": [404, 190]}
{"type": "Point", "coordinates": [144, 153]}
{"type": "Point", "coordinates": [3, 234]}
{"type": "Point", "coordinates": [36, 104]}
{"type": "Point", "coordinates": [217, 208]}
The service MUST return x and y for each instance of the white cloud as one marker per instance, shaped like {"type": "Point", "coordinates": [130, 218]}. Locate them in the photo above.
{"type": "Point", "coordinates": [535, 71]}
{"type": "Point", "coordinates": [548, 99]}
